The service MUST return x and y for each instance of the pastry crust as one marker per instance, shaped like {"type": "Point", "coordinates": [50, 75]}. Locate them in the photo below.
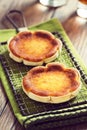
{"type": "Point", "coordinates": [53, 83]}
{"type": "Point", "coordinates": [34, 47]}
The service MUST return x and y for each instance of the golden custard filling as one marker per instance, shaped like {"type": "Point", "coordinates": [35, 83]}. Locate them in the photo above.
{"type": "Point", "coordinates": [33, 48]}
{"type": "Point", "coordinates": [52, 83]}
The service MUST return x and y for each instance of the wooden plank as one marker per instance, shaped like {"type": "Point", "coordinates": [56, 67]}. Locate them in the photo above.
{"type": "Point", "coordinates": [17, 126]}
{"type": "Point", "coordinates": [63, 13]}
{"type": "Point", "coordinates": [37, 13]}
{"type": "Point", "coordinates": [6, 6]}
{"type": "Point", "coordinates": [3, 100]}
{"type": "Point", "coordinates": [34, 13]}
{"type": "Point", "coordinates": [6, 119]}
{"type": "Point", "coordinates": [75, 27]}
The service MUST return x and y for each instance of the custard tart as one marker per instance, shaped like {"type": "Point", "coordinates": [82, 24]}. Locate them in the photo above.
{"type": "Point", "coordinates": [53, 83]}
{"type": "Point", "coordinates": [34, 47]}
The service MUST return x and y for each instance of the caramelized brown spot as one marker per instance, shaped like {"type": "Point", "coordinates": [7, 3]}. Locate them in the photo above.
{"type": "Point", "coordinates": [37, 71]}
{"type": "Point", "coordinates": [16, 39]}
{"type": "Point", "coordinates": [39, 92]}
{"type": "Point", "coordinates": [25, 35]}
{"type": "Point", "coordinates": [54, 42]}
{"type": "Point", "coordinates": [43, 35]}
{"type": "Point", "coordinates": [27, 83]}
{"type": "Point", "coordinates": [55, 68]}
{"type": "Point", "coordinates": [71, 74]}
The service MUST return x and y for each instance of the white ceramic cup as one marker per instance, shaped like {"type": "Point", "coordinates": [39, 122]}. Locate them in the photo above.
{"type": "Point", "coordinates": [53, 3]}
{"type": "Point", "coordinates": [82, 8]}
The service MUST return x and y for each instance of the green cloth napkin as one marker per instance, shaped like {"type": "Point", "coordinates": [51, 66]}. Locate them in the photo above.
{"type": "Point", "coordinates": [52, 25]}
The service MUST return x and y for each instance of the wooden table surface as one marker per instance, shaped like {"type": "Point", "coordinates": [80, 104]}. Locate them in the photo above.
{"type": "Point", "coordinates": [35, 13]}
